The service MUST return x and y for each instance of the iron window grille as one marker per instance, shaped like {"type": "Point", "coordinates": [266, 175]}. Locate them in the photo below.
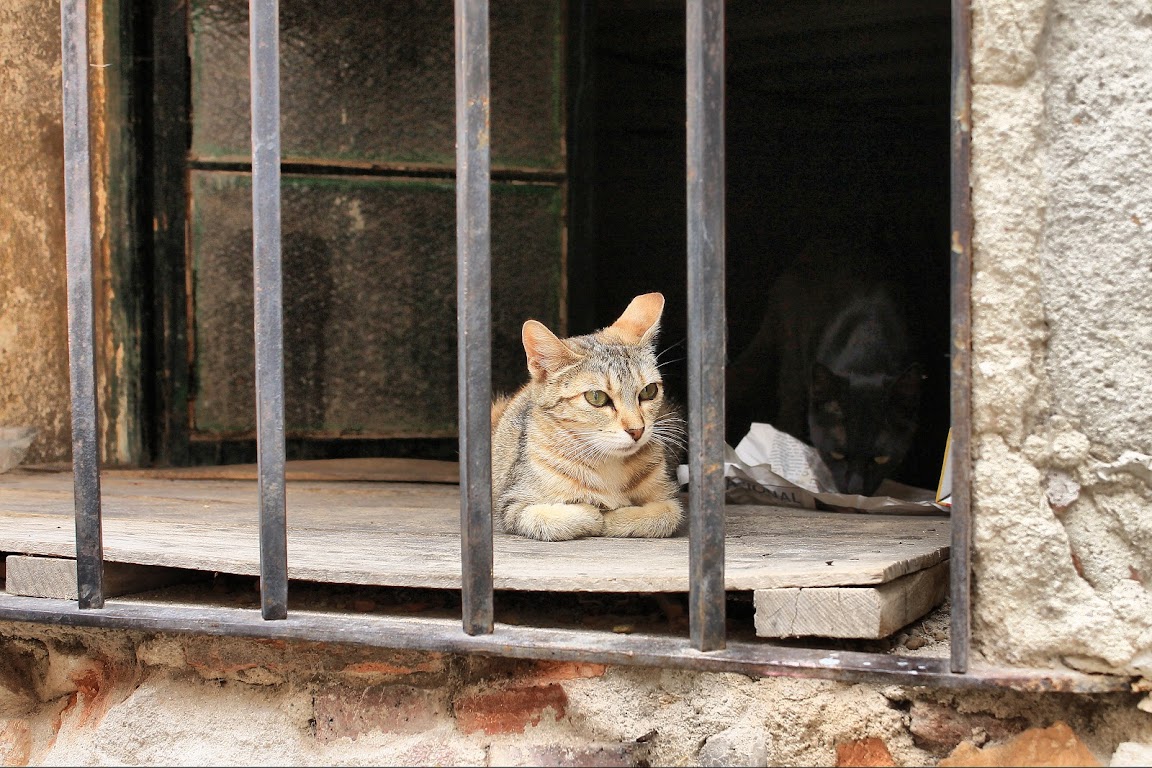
{"type": "Point", "coordinates": [707, 648]}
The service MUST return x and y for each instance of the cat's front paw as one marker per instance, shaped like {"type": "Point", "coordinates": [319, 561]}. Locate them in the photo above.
{"type": "Point", "coordinates": [654, 520]}
{"type": "Point", "coordinates": [560, 522]}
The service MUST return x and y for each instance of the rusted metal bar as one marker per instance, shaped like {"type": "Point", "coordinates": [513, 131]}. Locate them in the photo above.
{"type": "Point", "coordinates": [264, 44]}
{"type": "Point", "coordinates": [961, 258]}
{"type": "Point", "coordinates": [758, 659]}
{"type": "Point", "coordinates": [474, 312]}
{"type": "Point", "coordinates": [706, 320]}
{"type": "Point", "coordinates": [81, 331]}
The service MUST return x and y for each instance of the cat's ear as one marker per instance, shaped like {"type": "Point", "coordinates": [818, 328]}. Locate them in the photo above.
{"type": "Point", "coordinates": [906, 388]}
{"type": "Point", "coordinates": [641, 321]}
{"type": "Point", "coordinates": [546, 353]}
{"type": "Point", "coordinates": [825, 386]}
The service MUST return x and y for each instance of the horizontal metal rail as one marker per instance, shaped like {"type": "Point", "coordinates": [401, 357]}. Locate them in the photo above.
{"type": "Point", "coordinates": [444, 636]}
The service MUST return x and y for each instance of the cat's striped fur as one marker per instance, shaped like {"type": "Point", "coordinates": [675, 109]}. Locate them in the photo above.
{"type": "Point", "coordinates": [563, 467]}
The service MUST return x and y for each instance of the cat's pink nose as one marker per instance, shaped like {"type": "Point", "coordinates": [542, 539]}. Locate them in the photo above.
{"type": "Point", "coordinates": [635, 433]}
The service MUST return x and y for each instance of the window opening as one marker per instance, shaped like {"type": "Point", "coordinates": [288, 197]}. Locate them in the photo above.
{"type": "Point", "coordinates": [705, 234]}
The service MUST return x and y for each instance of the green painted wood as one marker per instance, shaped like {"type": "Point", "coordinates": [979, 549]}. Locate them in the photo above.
{"type": "Point", "coordinates": [370, 295]}
{"type": "Point", "coordinates": [165, 166]}
{"type": "Point", "coordinates": [118, 245]}
{"type": "Point", "coordinates": [374, 82]}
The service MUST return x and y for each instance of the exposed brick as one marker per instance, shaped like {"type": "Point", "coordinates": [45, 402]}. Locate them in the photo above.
{"type": "Point", "coordinates": [375, 668]}
{"type": "Point", "coordinates": [1055, 746]}
{"type": "Point", "coordinates": [372, 661]}
{"type": "Point", "coordinates": [581, 756]}
{"type": "Point", "coordinates": [346, 711]}
{"type": "Point", "coordinates": [939, 728]}
{"type": "Point", "coordinates": [864, 752]}
{"type": "Point", "coordinates": [480, 669]}
{"type": "Point", "coordinates": [227, 661]}
{"type": "Point", "coordinates": [509, 710]}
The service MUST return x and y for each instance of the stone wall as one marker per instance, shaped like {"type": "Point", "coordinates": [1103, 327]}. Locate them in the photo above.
{"type": "Point", "coordinates": [1062, 91]}
{"type": "Point", "coordinates": [87, 697]}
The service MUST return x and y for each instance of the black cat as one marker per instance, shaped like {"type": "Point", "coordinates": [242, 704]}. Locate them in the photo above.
{"type": "Point", "coordinates": [833, 365]}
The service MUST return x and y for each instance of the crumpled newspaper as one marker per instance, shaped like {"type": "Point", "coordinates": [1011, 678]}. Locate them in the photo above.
{"type": "Point", "coordinates": [14, 442]}
{"type": "Point", "coordinates": [772, 467]}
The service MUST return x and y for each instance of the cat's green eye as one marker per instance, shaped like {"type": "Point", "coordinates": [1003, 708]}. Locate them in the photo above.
{"type": "Point", "coordinates": [649, 391]}
{"type": "Point", "coordinates": [597, 397]}
{"type": "Point", "coordinates": [837, 456]}
{"type": "Point", "coordinates": [881, 459]}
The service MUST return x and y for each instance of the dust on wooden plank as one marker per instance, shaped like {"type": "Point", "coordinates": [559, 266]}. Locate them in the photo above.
{"type": "Point", "coordinates": [407, 534]}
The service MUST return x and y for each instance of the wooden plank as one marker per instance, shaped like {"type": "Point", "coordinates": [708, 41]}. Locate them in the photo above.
{"type": "Point", "coordinates": [857, 612]}
{"type": "Point", "coordinates": [56, 577]}
{"type": "Point", "coordinates": [339, 470]}
{"type": "Point", "coordinates": [407, 534]}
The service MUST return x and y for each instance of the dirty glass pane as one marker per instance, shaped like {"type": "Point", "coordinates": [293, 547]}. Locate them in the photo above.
{"type": "Point", "coordinates": [373, 82]}
{"type": "Point", "coordinates": [369, 300]}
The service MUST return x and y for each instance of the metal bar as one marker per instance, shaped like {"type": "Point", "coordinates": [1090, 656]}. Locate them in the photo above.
{"type": "Point", "coordinates": [758, 659]}
{"type": "Point", "coordinates": [474, 312]}
{"type": "Point", "coordinates": [81, 329]}
{"type": "Point", "coordinates": [961, 258]}
{"type": "Point", "coordinates": [706, 320]}
{"type": "Point", "coordinates": [264, 44]}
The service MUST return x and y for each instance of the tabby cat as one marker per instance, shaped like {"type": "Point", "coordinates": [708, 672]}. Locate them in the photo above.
{"type": "Point", "coordinates": [582, 448]}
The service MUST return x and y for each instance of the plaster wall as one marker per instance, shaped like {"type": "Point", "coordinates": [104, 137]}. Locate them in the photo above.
{"type": "Point", "coordinates": [33, 311]}
{"type": "Point", "coordinates": [1062, 325]}
{"type": "Point", "coordinates": [34, 379]}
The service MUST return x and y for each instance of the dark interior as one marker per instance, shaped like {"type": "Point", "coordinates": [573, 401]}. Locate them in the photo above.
{"type": "Point", "coordinates": [837, 123]}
